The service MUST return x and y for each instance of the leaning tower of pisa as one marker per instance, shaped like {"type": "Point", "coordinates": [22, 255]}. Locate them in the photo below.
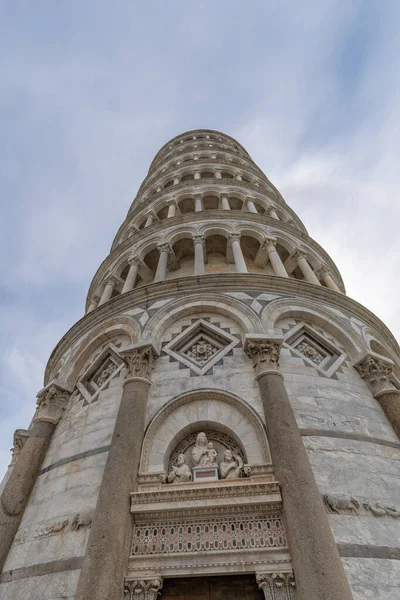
{"type": "Point", "coordinates": [222, 423]}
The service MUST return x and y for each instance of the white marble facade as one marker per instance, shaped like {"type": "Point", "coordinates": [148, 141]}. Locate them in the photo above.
{"type": "Point", "coordinates": [352, 447]}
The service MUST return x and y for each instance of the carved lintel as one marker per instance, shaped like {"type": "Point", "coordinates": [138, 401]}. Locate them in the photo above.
{"type": "Point", "coordinates": [143, 589]}
{"type": "Point", "coordinates": [376, 371]}
{"type": "Point", "coordinates": [51, 403]}
{"type": "Point", "coordinates": [276, 586]}
{"type": "Point", "coordinates": [20, 437]}
{"type": "Point", "coordinates": [264, 353]}
{"type": "Point", "coordinates": [139, 360]}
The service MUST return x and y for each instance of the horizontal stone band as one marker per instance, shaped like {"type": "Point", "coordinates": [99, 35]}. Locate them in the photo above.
{"type": "Point", "coordinates": [364, 551]}
{"type": "Point", "coordinates": [65, 461]}
{"type": "Point", "coordinates": [348, 436]}
{"type": "Point", "coordinates": [56, 566]}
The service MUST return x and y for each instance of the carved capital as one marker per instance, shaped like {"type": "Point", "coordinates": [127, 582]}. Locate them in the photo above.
{"type": "Point", "coordinates": [164, 248]}
{"type": "Point", "coordinates": [276, 586]}
{"type": "Point", "coordinates": [376, 372]}
{"type": "Point", "coordinates": [20, 437]}
{"type": "Point", "coordinates": [269, 241]}
{"type": "Point", "coordinates": [134, 260]}
{"type": "Point", "coordinates": [51, 403]}
{"type": "Point", "coordinates": [139, 360]}
{"type": "Point", "coordinates": [299, 254]}
{"type": "Point", "coordinates": [234, 237]}
{"type": "Point", "coordinates": [199, 239]}
{"type": "Point", "coordinates": [112, 280]}
{"type": "Point", "coordinates": [264, 353]}
{"type": "Point", "coordinates": [143, 589]}
{"type": "Point", "coordinates": [323, 270]}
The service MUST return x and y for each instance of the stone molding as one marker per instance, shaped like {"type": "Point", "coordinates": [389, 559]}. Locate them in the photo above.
{"type": "Point", "coordinates": [139, 360]}
{"type": "Point", "coordinates": [213, 395]}
{"type": "Point", "coordinates": [184, 493]}
{"type": "Point", "coordinates": [51, 403]}
{"type": "Point", "coordinates": [264, 352]}
{"type": "Point", "coordinates": [143, 589]}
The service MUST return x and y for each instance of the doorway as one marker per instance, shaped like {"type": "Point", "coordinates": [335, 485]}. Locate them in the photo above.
{"type": "Point", "coordinates": [234, 587]}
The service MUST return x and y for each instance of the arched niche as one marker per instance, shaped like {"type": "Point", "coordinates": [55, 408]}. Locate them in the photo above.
{"type": "Point", "coordinates": [203, 410]}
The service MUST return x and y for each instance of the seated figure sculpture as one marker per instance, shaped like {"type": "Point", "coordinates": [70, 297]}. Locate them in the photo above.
{"type": "Point", "coordinates": [200, 456]}
{"type": "Point", "coordinates": [231, 466]}
{"type": "Point", "coordinates": [180, 473]}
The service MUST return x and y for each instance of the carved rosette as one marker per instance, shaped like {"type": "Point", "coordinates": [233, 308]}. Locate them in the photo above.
{"type": "Point", "coordinates": [264, 354]}
{"type": "Point", "coordinates": [377, 374]}
{"type": "Point", "coordinates": [139, 362]}
{"type": "Point", "coordinates": [143, 589]}
{"type": "Point", "coordinates": [51, 403]}
{"type": "Point", "coordinates": [277, 586]}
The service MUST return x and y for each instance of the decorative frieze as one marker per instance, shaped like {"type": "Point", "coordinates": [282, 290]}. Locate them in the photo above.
{"type": "Point", "coordinates": [277, 586]}
{"type": "Point", "coordinates": [143, 589]}
{"type": "Point", "coordinates": [51, 403]}
{"type": "Point", "coordinates": [264, 353]}
{"type": "Point", "coordinates": [340, 503]}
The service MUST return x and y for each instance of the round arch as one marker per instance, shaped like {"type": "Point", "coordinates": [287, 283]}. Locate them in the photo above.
{"type": "Point", "coordinates": [198, 409]}
{"type": "Point", "coordinates": [214, 303]}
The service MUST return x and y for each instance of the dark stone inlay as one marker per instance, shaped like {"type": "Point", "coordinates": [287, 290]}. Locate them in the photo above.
{"type": "Point", "coordinates": [348, 436]}
{"type": "Point", "coordinates": [364, 551]}
{"type": "Point", "coordinates": [56, 566]}
{"type": "Point", "coordinates": [182, 366]}
{"type": "Point", "coordinates": [65, 461]}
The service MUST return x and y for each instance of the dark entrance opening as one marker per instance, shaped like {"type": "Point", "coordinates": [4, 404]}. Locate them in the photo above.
{"type": "Point", "coordinates": [234, 587]}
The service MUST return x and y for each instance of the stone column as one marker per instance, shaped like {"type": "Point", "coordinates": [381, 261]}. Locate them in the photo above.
{"type": "Point", "coordinates": [307, 271]}
{"type": "Point", "coordinates": [108, 290]}
{"type": "Point", "coordinates": [20, 437]}
{"type": "Point", "coordinates": [161, 272]}
{"type": "Point", "coordinates": [143, 589]}
{"type": "Point", "coordinates": [234, 240]}
{"type": "Point", "coordinates": [272, 213]}
{"type": "Point", "coordinates": [376, 371]}
{"type": "Point", "coordinates": [238, 177]}
{"type": "Point", "coordinates": [149, 220]}
{"type": "Point", "coordinates": [251, 207]}
{"type": "Point", "coordinates": [93, 303]}
{"type": "Point", "coordinates": [106, 558]}
{"type": "Point", "coordinates": [51, 403]}
{"type": "Point", "coordinates": [171, 210]}
{"type": "Point", "coordinates": [225, 203]}
{"type": "Point", "coordinates": [176, 180]}
{"type": "Point", "coordinates": [132, 275]}
{"type": "Point", "coordinates": [276, 262]}
{"type": "Point", "coordinates": [327, 278]}
{"type": "Point", "coordinates": [197, 175]}
{"type": "Point", "coordinates": [199, 242]}
{"type": "Point", "coordinates": [316, 562]}
{"type": "Point", "coordinates": [277, 586]}
{"type": "Point", "coordinates": [218, 174]}
{"type": "Point", "coordinates": [198, 203]}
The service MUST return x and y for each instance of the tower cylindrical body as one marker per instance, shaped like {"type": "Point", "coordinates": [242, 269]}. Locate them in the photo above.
{"type": "Point", "coordinates": [222, 418]}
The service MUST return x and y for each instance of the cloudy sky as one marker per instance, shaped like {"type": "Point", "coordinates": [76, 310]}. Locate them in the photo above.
{"type": "Point", "coordinates": [89, 91]}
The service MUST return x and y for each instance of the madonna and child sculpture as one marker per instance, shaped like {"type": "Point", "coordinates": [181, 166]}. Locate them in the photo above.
{"type": "Point", "coordinates": [205, 455]}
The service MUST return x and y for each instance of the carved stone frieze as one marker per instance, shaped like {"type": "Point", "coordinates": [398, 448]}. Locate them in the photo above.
{"type": "Point", "coordinates": [51, 403]}
{"type": "Point", "coordinates": [341, 503]}
{"type": "Point", "coordinates": [139, 361]}
{"type": "Point", "coordinates": [143, 589]}
{"type": "Point", "coordinates": [264, 353]}
{"type": "Point", "coordinates": [277, 586]}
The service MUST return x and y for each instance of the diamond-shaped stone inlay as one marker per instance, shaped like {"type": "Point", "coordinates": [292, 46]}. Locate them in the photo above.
{"type": "Point", "coordinates": [106, 366]}
{"type": "Point", "coordinates": [200, 346]}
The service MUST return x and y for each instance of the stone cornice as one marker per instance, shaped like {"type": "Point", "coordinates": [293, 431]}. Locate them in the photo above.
{"type": "Point", "coordinates": [218, 283]}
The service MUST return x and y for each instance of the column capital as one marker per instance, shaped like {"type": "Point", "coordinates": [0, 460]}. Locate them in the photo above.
{"type": "Point", "coordinates": [111, 279]}
{"type": "Point", "coordinates": [376, 370]}
{"type": "Point", "coordinates": [139, 360]}
{"type": "Point", "coordinates": [264, 352]}
{"type": "Point", "coordinates": [199, 239]}
{"type": "Point", "coordinates": [270, 241]}
{"type": "Point", "coordinates": [143, 589]}
{"type": "Point", "coordinates": [134, 260]}
{"type": "Point", "coordinates": [234, 237]}
{"type": "Point", "coordinates": [323, 270]}
{"type": "Point", "coordinates": [51, 403]}
{"type": "Point", "coordinates": [20, 437]}
{"type": "Point", "coordinates": [299, 254]}
{"type": "Point", "coordinates": [165, 247]}
{"type": "Point", "coordinates": [267, 582]}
